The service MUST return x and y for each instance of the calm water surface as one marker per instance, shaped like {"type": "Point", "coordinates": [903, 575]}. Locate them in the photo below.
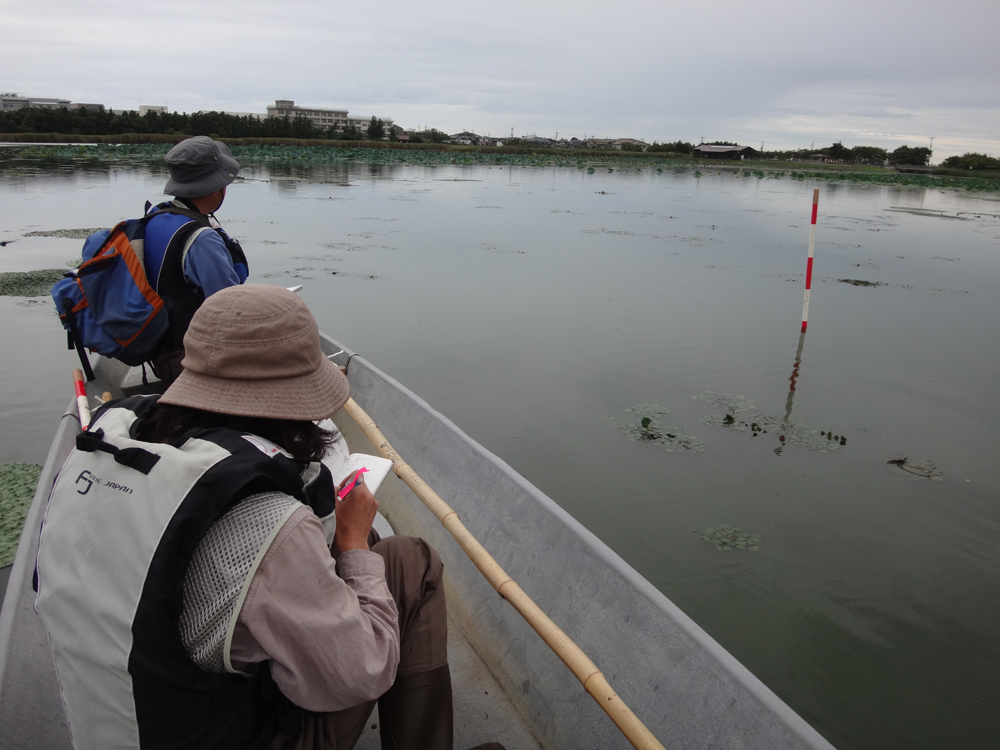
{"type": "Point", "coordinates": [535, 307]}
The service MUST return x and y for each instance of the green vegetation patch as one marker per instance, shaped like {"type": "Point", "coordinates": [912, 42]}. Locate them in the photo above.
{"type": "Point", "coordinates": [17, 488]}
{"type": "Point", "coordinates": [860, 282]}
{"type": "Point", "coordinates": [740, 414]}
{"type": "Point", "coordinates": [70, 234]}
{"type": "Point", "coordinates": [731, 537]}
{"type": "Point", "coordinates": [648, 429]}
{"type": "Point", "coordinates": [29, 283]}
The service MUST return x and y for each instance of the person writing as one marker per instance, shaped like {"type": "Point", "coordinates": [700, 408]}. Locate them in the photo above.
{"type": "Point", "coordinates": [186, 578]}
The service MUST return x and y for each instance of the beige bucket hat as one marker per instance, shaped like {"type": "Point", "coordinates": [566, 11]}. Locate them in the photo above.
{"type": "Point", "coordinates": [254, 350]}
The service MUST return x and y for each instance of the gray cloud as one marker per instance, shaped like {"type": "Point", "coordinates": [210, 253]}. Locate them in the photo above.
{"type": "Point", "coordinates": [782, 71]}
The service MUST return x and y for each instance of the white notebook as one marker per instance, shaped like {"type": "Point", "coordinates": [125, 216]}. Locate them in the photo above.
{"type": "Point", "coordinates": [342, 463]}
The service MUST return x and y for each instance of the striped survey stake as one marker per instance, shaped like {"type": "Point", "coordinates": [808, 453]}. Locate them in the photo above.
{"type": "Point", "coordinates": [82, 405]}
{"type": "Point", "coordinates": [809, 263]}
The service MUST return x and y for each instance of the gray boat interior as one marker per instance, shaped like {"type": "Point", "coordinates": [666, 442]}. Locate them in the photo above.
{"type": "Point", "coordinates": [509, 687]}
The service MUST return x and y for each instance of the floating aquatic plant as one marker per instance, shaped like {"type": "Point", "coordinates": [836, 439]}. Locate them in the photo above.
{"type": "Point", "coordinates": [740, 414]}
{"type": "Point", "coordinates": [860, 282]}
{"type": "Point", "coordinates": [69, 234]}
{"type": "Point", "coordinates": [649, 430]}
{"type": "Point", "coordinates": [17, 488]}
{"type": "Point", "coordinates": [29, 283]}
{"type": "Point", "coordinates": [649, 410]}
{"type": "Point", "coordinates": [731, 537]}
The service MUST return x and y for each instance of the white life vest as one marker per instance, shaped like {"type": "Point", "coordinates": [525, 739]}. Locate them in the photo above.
{"type": "Point", "coordinates": [123, 521]}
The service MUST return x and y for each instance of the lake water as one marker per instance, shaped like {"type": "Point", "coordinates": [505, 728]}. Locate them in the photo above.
{"type": "Point", "coordinates": [536, 307]}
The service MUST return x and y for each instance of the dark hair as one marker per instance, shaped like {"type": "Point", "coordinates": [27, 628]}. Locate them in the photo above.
{"type": "Point", "coordinates": [304, 440]}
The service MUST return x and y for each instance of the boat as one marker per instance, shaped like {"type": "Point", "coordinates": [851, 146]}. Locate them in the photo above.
{"type": "Point", "coordinates": [509, 685]}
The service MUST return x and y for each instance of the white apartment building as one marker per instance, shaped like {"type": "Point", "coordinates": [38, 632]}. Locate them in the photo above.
{"type": "Point", "coordinates": [144, 108]}
{"type": "Point", "coordinates": [323, 118]}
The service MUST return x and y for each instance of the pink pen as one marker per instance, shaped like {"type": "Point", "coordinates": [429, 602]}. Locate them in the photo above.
{"type": "Point", "coordinates": [351, 485]}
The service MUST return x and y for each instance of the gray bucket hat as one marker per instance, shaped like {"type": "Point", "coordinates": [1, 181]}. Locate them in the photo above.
{"type": "Point", "coordinates": [254, 351]}
{"type": "Point", "coordinates": [199, 166]}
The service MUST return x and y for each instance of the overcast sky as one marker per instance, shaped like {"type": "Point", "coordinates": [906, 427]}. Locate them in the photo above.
{"type": "Point", "coordinates": [782, 72]}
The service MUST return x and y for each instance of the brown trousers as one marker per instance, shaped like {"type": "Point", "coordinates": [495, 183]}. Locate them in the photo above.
{"type": "Point", "coordinates": [416, 712]}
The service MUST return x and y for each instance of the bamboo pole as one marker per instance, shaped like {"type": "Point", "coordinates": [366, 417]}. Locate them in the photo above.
{"type": "Point", "coordinates": [569, 653]}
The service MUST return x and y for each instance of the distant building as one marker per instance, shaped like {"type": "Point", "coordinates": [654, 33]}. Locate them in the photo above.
{"type": "Point", "coordinates": [15, 101]}
{"type": "Point", "coordinates": [632, 144]}
{"type": "Point", "coordinates": [723, 151]}
{"type": "Point", "coordinates": [144, 108]}
{"type": "Point", "coordinates": [321, 118]}
{"type": "Point", "coordinates": [91, 107]}
{"type": "Point", "coordinates": [362, 123]}
{"type": "Point", "coordinates": [467, 138]}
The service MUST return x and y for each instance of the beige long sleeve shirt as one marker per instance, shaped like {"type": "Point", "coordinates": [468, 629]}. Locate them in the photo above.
{"type": "Point", "coordinates": [330, 627]}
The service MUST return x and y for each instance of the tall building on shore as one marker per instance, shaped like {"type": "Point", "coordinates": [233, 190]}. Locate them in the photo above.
{"type": "Point", "coordinates": [321, 118]}
{"type": "Point", "coordinates": [325, 119]}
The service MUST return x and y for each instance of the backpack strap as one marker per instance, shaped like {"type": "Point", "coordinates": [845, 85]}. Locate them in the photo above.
{"type": "Point", "coordinates": [75, 340]}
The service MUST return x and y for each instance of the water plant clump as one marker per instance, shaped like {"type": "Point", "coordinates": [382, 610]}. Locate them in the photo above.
{"type": "Point", "coordinates": [70, 234]}
{"type": "Point", "coordinates": [740, 414]}
{"type": "Point", "coordinates": [860, 282]}
{"type": "Point", "coordinates": [731, 537]}
{"type": "Point", "coordinates": [649, 410]}
{"type": "Point", "coordinates": [17, 488]}
{"type": "Point", "coordinates": [29, 283]}
{"type": "Point", "coordinates": [649, 430]}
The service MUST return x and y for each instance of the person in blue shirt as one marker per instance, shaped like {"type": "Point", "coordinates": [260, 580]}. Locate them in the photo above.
{"type": "Point", "coordinates": [188, 256]}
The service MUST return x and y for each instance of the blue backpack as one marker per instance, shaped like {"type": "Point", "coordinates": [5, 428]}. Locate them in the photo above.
{"type": "Point", "coordinates": [107, 304]}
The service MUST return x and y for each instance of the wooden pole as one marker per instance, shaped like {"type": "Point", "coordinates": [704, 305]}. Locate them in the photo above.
{"type": "Point", "coordinates": [572, 656]}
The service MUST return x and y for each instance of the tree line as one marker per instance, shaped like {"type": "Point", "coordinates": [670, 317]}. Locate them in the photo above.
{"type": "Point", "coordinates": [214, 124]}
{"type": "Point", "coordinates": [221, 125]}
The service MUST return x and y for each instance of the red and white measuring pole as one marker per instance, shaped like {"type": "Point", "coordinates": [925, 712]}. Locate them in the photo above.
{"type": "Point", "coordinates": [809, 264]}
{"type": "Point", "coordinates": [82, 405]}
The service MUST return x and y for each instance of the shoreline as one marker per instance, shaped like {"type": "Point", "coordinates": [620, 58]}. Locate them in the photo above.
{"type": "Point", "coordinates": [144, 148]}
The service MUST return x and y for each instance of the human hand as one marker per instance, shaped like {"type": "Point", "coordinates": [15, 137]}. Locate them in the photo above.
{"type": "Point", "coordinates": [355, 514]}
